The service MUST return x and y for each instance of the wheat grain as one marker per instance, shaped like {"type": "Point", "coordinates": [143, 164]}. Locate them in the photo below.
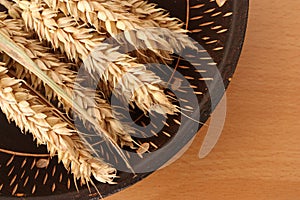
{"type": "Point", "coordinates": [30, 114]}
{"type": "Point", "coordinates": [221, 2]}
{"type": "Point", "coordinates": [13, 9]}
{"type": "Point", "coordinates": [59, 71]}
{"type": "Point", "coordinates": [138, 84]}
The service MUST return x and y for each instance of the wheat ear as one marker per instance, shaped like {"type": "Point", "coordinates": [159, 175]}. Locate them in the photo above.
{"type": "Point", "coordinates": [30, 114]}
{"type": "Point", "coordinates": [128, 80]}
{"type": "Point", "coordinates": [158, 17]}
{"type": "Point", "coordinates": [112, 67]}
{"type": "Point", "coordinates": [123, 15]}
{"type": "Point", "coordinates": [61, 31]}
{"type": "Point", "coordinates": [59, 71]}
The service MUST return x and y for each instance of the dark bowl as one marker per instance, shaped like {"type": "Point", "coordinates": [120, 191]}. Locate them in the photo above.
{"type": "Point", "coordinates": [220, 32]}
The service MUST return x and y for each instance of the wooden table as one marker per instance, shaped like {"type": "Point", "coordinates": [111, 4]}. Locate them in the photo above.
{"type": "Point", "coordinates": [258, 154]}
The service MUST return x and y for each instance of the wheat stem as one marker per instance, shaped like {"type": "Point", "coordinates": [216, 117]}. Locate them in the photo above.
{"type": "Point", "coordinates": [23, 154]}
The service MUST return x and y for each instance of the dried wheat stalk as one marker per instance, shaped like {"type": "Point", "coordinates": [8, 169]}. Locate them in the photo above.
{"type": "Point", "coordinates": [61, 31]}
{"type": "Point", "coordinates": [59, 71]}
{"type": "Point", "coordinates": [158, 17]}
{"type": "Point", "coordinates": [30, 114]}
{"type": "Point", "coordinates": [138, 17]}
{"type": "Point", "coordinates": [118, 14]}
{"type": "Point", "coordinates": [130, 81]}
{"type": "Point", "coordinates": [138, 84]}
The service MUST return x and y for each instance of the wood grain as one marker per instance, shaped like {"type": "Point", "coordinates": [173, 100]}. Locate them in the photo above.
{"type": "Point", "coordinates": [258, 155]}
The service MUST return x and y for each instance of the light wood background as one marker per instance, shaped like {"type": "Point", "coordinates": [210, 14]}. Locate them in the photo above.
{"type": "Point", "coordinates": [258, 154]}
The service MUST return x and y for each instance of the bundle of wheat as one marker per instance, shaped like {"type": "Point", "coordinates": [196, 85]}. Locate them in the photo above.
{"type": "Point", "coordinates": [43, 45]}
{"type": "Point", "coordinates": [59, 35]}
